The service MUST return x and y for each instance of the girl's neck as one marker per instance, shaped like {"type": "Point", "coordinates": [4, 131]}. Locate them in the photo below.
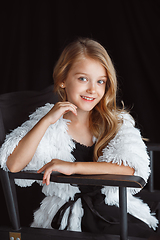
{"type": "Point", "coordinates": [79, 129]}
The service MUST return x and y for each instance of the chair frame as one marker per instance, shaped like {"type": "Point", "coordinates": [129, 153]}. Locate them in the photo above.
{"type": "Point", "coordinates": [122, 181]}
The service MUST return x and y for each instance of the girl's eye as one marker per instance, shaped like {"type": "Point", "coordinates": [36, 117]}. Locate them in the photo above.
{"type": "Point", "coordinates": [101, 81]}
{"type": "Point", "coordinates": [84, 79]}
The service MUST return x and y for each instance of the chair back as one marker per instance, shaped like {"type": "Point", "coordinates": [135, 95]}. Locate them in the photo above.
{"type": "Point", "coordinates": [15, 107]}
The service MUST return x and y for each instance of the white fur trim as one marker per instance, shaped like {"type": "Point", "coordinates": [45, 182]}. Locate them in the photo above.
{"type": "Point", "coordinates": [49, 207]}
{"type": "Point", "coordinates": [139, 209]}
{"type": "Point", "coordinates": [127, 147]}
{"type": "Point", "coordinates": [44, 215]}
{"type": "Point", "coordinates": [62, 190]}
{"type": "Point", "coordinates": [76, 216]}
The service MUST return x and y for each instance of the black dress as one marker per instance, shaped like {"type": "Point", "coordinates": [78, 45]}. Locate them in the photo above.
{"type": "Point", "coordinates": [99, 217]}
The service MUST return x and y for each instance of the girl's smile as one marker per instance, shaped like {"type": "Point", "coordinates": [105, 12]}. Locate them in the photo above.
{"type": "Point", "coordinates": [87, 98]}
{"type": "Point", "coordinates": [85, 84]}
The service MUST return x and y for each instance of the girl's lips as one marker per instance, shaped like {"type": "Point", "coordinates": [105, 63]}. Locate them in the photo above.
{"type": "Point", "coordinates": [87, 98]}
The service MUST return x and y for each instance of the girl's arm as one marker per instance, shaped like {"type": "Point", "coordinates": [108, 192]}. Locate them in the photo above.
{"type": "Point", "coordinates": [102, 168]}
{"type": "Point", "coordinates": [84, 168]}
{"type": "Point", "coordinates": [26, 148]}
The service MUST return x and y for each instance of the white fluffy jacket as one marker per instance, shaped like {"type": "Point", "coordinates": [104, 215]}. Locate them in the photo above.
{"type": "Point", "coordinates": [126, 147]}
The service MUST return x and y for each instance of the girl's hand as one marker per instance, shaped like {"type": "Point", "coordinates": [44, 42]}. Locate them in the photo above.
{"type": "Point", "coordinates": [57, 165]}
{"type": "Point", "coordinates": [59, 109]}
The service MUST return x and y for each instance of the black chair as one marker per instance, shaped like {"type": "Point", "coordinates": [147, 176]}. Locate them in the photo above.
{"type": "Point", "coordinates": [18, 106]}
{"type": "Point", "coordinates": [8, 184]}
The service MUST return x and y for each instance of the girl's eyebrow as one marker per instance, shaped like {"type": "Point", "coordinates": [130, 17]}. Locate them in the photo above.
{"type": "Point", "coordinates": [79, 73]}
{"type": "Point", "coordinates": [103, 77]}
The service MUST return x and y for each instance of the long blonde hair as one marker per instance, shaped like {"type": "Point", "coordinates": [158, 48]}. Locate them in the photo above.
{"type": "Point", "coordinates": [104, 121]}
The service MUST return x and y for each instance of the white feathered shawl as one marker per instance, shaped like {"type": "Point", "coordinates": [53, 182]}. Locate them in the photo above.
{"type": "Point", "coordinates": [126, 147]}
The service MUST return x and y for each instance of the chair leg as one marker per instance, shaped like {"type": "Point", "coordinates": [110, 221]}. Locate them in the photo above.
{"type": "Point", "coordinates": [123, 213]}
{"type": "Point", "coordinates": [151, 178]}
{"type": "Point", "coordinates": [11, 199]}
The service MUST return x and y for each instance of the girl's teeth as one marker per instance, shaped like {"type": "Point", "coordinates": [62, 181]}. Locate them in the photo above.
{"type": "Point", "coordinates": [87, 98]}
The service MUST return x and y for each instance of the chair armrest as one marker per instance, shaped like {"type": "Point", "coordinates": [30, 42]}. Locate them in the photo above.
{"type": "Point", "coordinates": [153, 146]}
{"type": "Point", "coordinates": [99, 179]}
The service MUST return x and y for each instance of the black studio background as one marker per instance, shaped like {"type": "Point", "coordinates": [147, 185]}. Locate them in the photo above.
{"type": "Point", "coordinates": [35, 32]}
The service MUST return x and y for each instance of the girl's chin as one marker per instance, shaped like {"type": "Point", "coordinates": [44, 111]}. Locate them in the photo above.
{"type": "Point", "coordinates": [85, 109]}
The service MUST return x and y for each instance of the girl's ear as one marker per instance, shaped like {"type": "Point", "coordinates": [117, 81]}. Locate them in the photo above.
{"type": "Point", "coordinates": [62, 85]}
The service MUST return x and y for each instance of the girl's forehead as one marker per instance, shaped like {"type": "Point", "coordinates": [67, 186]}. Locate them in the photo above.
{"type": "Point", "coordinates": [87, 64]}
{"type": "Point", "coordinates": [85, 61]}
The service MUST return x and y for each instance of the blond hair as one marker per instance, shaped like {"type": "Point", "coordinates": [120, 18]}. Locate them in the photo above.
{"type": "Point", "coordinates": [104, 121]}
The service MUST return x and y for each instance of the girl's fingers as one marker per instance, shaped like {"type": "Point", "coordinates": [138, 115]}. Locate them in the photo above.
{"type": "Point", "coordinates": [47, 172]}
{"type": "Point", "coordinates": [60, 109]}
{"type": "Point", "coordinates": [48, 179]}
{"type": "Point", "coordinates": [74, 109]}
{"type": "Point", "coordinates": [55, 165]}
{"type": "Point", "coordinates": [69, 107]}
{"type": "Point", "coordinates": [42, 169]}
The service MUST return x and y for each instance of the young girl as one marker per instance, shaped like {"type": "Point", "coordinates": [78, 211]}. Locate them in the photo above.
{"type": "Point", "coordinates": [85, 133]}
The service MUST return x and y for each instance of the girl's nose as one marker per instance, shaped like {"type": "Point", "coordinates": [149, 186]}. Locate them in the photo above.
{"type": "Point", "coordinates": [91, 88]}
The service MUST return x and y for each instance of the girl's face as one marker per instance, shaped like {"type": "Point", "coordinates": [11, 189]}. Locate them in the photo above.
{"type": "Point", "coordinates": [85, 84]}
